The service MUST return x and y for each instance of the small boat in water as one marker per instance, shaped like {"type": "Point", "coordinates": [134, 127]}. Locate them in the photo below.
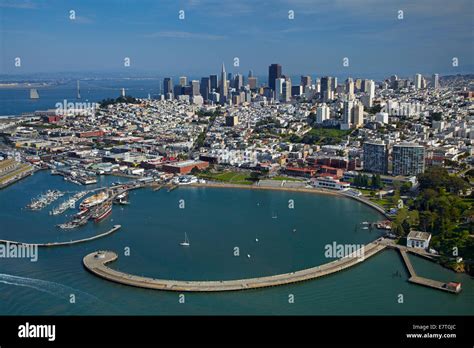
{"type": "Point", "coordinates": [186, 240]}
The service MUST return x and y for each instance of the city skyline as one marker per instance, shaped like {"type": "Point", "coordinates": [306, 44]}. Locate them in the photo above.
{"type": "Point", "coordinates": [315, 41]}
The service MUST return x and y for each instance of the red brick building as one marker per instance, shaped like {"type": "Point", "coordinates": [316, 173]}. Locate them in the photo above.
{"type": "Point", "coordinates": [184, 167]}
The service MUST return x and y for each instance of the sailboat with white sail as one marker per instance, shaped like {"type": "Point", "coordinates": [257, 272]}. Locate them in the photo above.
{"type": "Point", "coordinates": [186, 240]}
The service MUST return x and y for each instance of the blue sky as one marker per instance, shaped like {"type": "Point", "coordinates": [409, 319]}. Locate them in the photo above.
{"type": "Point", "coordinates": [258, 32]}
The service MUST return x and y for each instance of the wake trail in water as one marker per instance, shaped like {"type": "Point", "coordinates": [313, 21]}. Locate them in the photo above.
{"type": "Point", "coordinates": [52, 288]}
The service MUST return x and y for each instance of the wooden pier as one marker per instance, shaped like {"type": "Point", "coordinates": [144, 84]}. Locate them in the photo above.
{"type": "Point", "coordinates": [96, 263]}
{"type": "Point", "coordinates": [414, 278]}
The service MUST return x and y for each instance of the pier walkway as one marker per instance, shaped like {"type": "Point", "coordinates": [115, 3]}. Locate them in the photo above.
{"type": "Point", "coordinates": [96, 263]}
{"type": "Point", "coordinates": [115, 228]}
{"type": "Point", "coordinates": [414, 278]}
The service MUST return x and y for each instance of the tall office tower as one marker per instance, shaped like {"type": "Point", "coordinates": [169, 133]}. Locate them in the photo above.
{"type": "Point", "coordinates": [167, 86]}
{"type": "Point", "coordinates": [371, 89]}
{"type": "Point", "coordinates": [230, 80]}
{"type": "Point", "coordinates": [358, 115]}
{"type": "Point", "coordinates": [318, 86]}
{"type": "Point", "coordinates": [408, 159]}
{"type": "Point", "coordinates": [183, 81]}
{"type": "Point", "coordinates": [375, 157]}
{"type": "Point", "coordinates": [205, 88]}
{"type": "Point", "coordinates": [274, 72]}
{"type": "Point", "coordinates": [305, 81]}
{"type": "Point", "coordinates": [238, 81]}
{"type": "Point", "coordinates": [435, 81]}
{"type": "Point", "coordinates": [178, 90]}
{"type": "Point", "coordinates": [347, 114]}
{"type": "Point", "coordinates": [252, 82]}
{"type": "Point", "coordinates": [223, 85]}
{"type": "Point", "coordinates": [279, 88]}
{"type": "Point", "coordinates": [286, 91]}
{"type": "Point", "coordinates": [326, 84]}
{"type": "Point", "coordinates": [418, 81]}
{"type": "Point", "coordinates": [213, 80]}
{"type": "Point", "coordinates": [250, 73]}
{"type": "Point", "coordinates": [333, 84]}
{"type": "Point", "coordinates": [350, 88]}
{"type": "Point", "coordinates": [195, 87]}
{"type": "Point", "coordinates": [322, 113]}
{"type": "Point", "coordinates": [358, 85]}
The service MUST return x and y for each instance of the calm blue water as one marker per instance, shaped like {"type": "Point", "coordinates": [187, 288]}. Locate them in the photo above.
{"type": "Point", "coordinates": [15, 101]}
{"type": "Point", "coordinates": [216, 221]}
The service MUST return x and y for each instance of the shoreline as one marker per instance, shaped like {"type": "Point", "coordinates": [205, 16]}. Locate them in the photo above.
{"type": "Point", "coordinates": [293, 189]}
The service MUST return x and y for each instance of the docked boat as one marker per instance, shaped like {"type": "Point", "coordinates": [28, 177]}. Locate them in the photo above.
{"type": "Point", "coordinates": [122, 199]}
{"type": "Point", "coordinates": [94, 200]}
{"type": "Point", "coordinates": [102, 212]}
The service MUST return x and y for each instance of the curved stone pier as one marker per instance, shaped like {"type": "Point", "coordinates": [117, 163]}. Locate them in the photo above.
{"type": "Point", "coordinates": [112, 230]}
{"type": "Point", "coordinates": [96, 263]}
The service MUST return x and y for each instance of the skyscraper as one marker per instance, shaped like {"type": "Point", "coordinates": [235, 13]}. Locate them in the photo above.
{"type": "Point", "coordinates": [252, 82]}
{"type": "Point", "coordinates": [223, 85]}
{"type": "Point", "coordinates": [347, 115]}
{"type": "Point", "coordinates": [213, 80]}
{"type": "Point", "coordinates": [167, 85]}
{"type": "Point", "coordinates": [183, 81]}
{"type": "Point", "coordinates": [274, 72]}
{"type": "Point", "coordinates": [305, 81]}
{"type": "Point", "coordinates": [358, 114]}
{"type": "Point", "coordinates": [436, 81]}
{"type": "Point", "coordinates": [418, 81]}
{"type": "Point", "coordinates": [322, 113]}
{"type": "Point", "coordinates": [350, 88]}
{"type": "Point", "coordinates": [238, 81]}
{"type": "Point", "coordinates": [195, 87]}
{"type": "Point", "coordinates": [375, 157]}
{"type": "Point", "coordinates": [205, 88]}
{"type": "Point", "coordinates": [408, 159]}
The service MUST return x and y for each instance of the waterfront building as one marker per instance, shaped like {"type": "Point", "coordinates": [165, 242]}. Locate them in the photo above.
{"type": "Point", "coordinates": [419, 240]}
{"type": "Point", "coordinates": [408, 159]}
{"type": "Point", "coordinates": [328, 182]}
{"type": "Point", "coordinates": [375, 157]}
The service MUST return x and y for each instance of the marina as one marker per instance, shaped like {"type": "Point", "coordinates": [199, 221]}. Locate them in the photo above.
{"type": "Point", "coordinates": [68, 204]}
{"type": "Point", "coordinates": [45, 199]}
{"type": "Point", "coordinates": [154, 229]}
